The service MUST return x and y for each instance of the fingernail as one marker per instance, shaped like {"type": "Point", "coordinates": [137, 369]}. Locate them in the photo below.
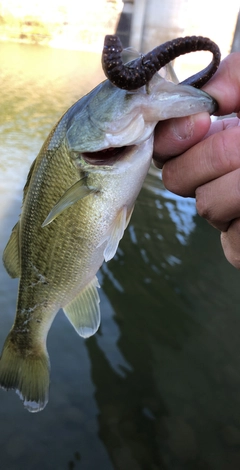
{"type": "Point", "coordinates": [183, 127]}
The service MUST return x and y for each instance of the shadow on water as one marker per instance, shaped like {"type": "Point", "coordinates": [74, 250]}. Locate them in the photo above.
{"type": "Point", "coordinates": [76, 460]}
{"type": "Point", "coordinates": [176, 405]}
{"type": "Point", "coordinates": [157, 388]}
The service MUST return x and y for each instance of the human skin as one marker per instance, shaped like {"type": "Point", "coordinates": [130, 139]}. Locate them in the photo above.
{"type": "Point", "coordinates": [202, 159]}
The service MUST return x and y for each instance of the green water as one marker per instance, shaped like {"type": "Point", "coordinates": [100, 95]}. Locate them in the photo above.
{"type": "Point", "coordinates": [158, 387]}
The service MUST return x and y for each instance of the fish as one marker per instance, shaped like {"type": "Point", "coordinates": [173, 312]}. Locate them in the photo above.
{"type": "Point", "coordinates": [77, 202]}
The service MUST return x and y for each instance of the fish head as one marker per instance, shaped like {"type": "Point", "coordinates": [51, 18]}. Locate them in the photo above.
{"type": "Point", "coordinates": [109, 119]}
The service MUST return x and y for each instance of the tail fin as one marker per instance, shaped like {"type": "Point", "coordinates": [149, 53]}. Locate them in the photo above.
{"type": "Point", "coordinates": [27, 374]}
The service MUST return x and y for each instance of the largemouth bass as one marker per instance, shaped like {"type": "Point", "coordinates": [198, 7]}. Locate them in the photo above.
{"type": "Point", "coordinates": [77, 202]}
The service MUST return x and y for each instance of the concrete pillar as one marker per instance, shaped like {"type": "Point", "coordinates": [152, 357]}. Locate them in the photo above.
{"type": "Point", "coordinates": [137, 27]}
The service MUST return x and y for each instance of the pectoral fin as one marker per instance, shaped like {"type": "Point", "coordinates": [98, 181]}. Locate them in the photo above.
{"type": "Point", "coordinates": [83, 311]}
{"type": "Point", "coordinates": [11, 259]}
{"type": "Point", "coordinates": [78, 191]}
{"type": "Point", "coordinates": [116, 232]}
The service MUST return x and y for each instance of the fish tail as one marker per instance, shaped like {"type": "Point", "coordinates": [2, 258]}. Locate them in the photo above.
{"type": "Point", "coordinates": [26, 373]}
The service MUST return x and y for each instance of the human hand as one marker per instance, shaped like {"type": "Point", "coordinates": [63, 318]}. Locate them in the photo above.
{"type": "Point", "coordinates": [202, 160]}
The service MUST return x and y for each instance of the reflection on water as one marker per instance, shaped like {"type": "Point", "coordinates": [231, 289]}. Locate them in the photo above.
{"type": "Point", "coordinates": [158, 386]}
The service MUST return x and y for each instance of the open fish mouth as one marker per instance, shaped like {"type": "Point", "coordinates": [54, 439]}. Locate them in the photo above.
{"type": "Point", "coordinates": [107, 156]}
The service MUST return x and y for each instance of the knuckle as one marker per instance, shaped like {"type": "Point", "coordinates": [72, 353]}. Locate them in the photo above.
{"type": "Point", "coordinates": [231, 243]}
{"type": "Point", "coordinates": [220, 153]}
{"type": "Point", "coordinates": [225, 151]}
{"type": "Point", "coordinates": [202, 203]}
{"type": "Point", "coordinates": [172, 177]}
{"type": "Point", "coordinates": [168, 176]}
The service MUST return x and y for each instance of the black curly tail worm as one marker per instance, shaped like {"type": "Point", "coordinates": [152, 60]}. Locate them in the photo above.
{"type": "Point", "coordinates": [138, 72]}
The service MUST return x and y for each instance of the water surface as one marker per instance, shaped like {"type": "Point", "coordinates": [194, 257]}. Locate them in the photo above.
{"type": "Point", "coordinates": [158, 387]}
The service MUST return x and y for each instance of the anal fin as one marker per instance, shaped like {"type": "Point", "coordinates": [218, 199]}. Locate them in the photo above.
{"type": "Point", "coordinates": [84, 311]}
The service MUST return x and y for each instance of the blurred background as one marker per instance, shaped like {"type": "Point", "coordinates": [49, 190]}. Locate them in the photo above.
{"type": "Point", "coordinates": [157, 388]}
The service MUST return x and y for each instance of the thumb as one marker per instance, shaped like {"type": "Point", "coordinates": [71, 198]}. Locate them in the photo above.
{"type": "Point", "coordinates": [175, 136]}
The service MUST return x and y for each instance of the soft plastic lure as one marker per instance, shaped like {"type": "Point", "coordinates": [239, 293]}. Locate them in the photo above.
{"type": "Point", "coordinates": [139, 72]}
